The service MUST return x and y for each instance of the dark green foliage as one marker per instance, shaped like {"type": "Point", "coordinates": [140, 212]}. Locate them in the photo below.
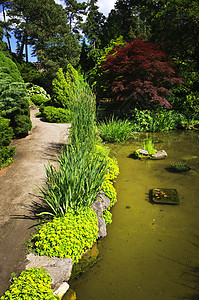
{"type": "Point", "coordinates": [14, 105]}
{"type": "Point", "coordinates": [56, 114]}
{"type": "Point", "coordinates": [75, 11]}
{"type": "Point", "coordinates": [6, 135]}
{"type": "Point", "coordinates": [93, 25]}
{"type": "Point", "coordinates": [185, 98]}
{"type": "Point", "coordinates": [29, 72]}
{"type": "Point", "coordinates": [8, 67]}
{"type": "Point", "coordinates": [22, 125]}
{"type": "Point", "coordinates": [6, 132]}
{"type": "Point", "coordinates": [13, 99]}
{"type": "Point", "coordinates": [162, 120]}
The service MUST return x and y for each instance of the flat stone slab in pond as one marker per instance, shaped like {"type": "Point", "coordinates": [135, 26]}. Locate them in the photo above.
{"type": "Point", "coordinates": [164, 196]}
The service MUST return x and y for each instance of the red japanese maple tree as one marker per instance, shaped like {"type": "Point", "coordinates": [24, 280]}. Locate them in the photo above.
{"type": "Point", "coordinates": [140, 72]}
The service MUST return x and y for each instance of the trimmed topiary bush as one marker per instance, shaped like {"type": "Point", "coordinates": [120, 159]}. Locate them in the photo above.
{"type": "Point", "coordinates": [22, 125]}
{"type": "Point", "coordinates": [69, 236]}
{"type": "Point", "coordinates": [56, 115]}
{"type": "Point", "coordinates": [39, 99]}
{"type": "Point", "coordinates": [6, 134]}
{"type": "Point", "coordinates": [14, 104]}
{"type": "Point", "coordinates": [31, 284]}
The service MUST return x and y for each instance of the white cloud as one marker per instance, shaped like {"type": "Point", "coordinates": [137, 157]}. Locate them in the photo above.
{"type": "Point", "coordinates": [105, 6]}
{"type": "Point", "coordinates": [1, 16]}
{"type": "Point", "coordinates": [60, 2]}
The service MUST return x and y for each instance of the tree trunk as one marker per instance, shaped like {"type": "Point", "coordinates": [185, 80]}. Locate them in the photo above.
{"type": "Point", "coordinates": [7, 35]}
{"type": "Point", "coordinates": [26, 48]}
{"type": "Point", "coordinates": [21, 48]}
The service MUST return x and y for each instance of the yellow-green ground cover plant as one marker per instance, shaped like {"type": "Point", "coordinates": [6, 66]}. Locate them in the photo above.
{"type": "Point", "coordinates": [68, 236]}
{"type": "Point", "coordinates": [31, 284]}
{"type": "Point", "coordinates": [107, 215]}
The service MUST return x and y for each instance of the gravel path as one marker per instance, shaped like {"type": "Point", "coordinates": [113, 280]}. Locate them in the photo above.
{"type": "Point", "coordinates": [17, 194]}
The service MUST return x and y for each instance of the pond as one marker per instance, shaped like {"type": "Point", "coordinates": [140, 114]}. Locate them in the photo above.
{"type": "Point", "coordinates": [152, 250]}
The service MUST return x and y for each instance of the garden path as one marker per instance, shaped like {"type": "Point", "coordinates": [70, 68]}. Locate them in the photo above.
{"type": "Point", "coordinates": [17, 195]}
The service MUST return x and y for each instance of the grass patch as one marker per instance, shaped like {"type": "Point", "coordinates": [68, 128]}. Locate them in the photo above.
{"type": "Point", "coordinates": [115, 130]}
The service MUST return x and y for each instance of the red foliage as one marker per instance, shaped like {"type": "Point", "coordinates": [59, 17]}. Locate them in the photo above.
{"type": "Point", "coordinates": [139, 71]}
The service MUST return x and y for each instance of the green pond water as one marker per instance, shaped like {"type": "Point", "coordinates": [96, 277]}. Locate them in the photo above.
{"type": "Point", "coordinates": [152, 250]}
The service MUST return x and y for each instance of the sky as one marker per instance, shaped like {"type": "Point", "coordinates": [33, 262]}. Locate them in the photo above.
{"type": "Point", "coordinates": [105, 7]}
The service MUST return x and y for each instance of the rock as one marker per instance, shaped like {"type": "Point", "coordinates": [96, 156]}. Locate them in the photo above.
{"type": "Point", "coordinates": [62, 289]}
{"type": "Point", "coordinates": [99, 206]}
{"type": "Point", "coordinates": [98, 209]}
{"type": "Point", "coordinates": [159, 154]}
{"type": "Point", "coordinates": [102, 227]}
{"type": "Point", "coordinates": [59, 268]}
{"type": "Point", "coordinates": [103, 199]}
{"type": "Point", "coordinates": [143, 152]}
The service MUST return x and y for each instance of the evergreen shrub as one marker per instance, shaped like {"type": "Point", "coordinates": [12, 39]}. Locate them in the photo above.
{"type": "Point", "coordinates": [14, 104]}
{"type": "Point", "coordinates": [22, 125]}
{"type": "Point", "coordinates": [39, 99]}
{"type": "Point", "coordinates": [6, 135]}
{"type": "Point", "coordinates": [8, 67]}
{"type": "Point", "coordinates": [56, 114]}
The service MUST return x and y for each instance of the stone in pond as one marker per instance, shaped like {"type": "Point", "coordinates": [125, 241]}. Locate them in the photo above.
{"type": "Point", "coordinates": [143, 152]}
{"type": "Point", "coordinates": [164, 196]}
{"type": "Point", "coordinates": [159, 154]}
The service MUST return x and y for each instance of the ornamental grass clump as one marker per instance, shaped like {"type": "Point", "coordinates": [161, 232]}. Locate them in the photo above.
{"type": "Point", "coordinates": [31, 284]}
{"type": "Point", "coordinates": [69, 236]}
{"type": "Point", "coordinates": [75, 183]}
{"type": "Point", "coordinates": [115, 130]}
{"type": "Point", "coordinates": [149, 146]}
{"type": "Point", "coordinates": [83, 108]}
